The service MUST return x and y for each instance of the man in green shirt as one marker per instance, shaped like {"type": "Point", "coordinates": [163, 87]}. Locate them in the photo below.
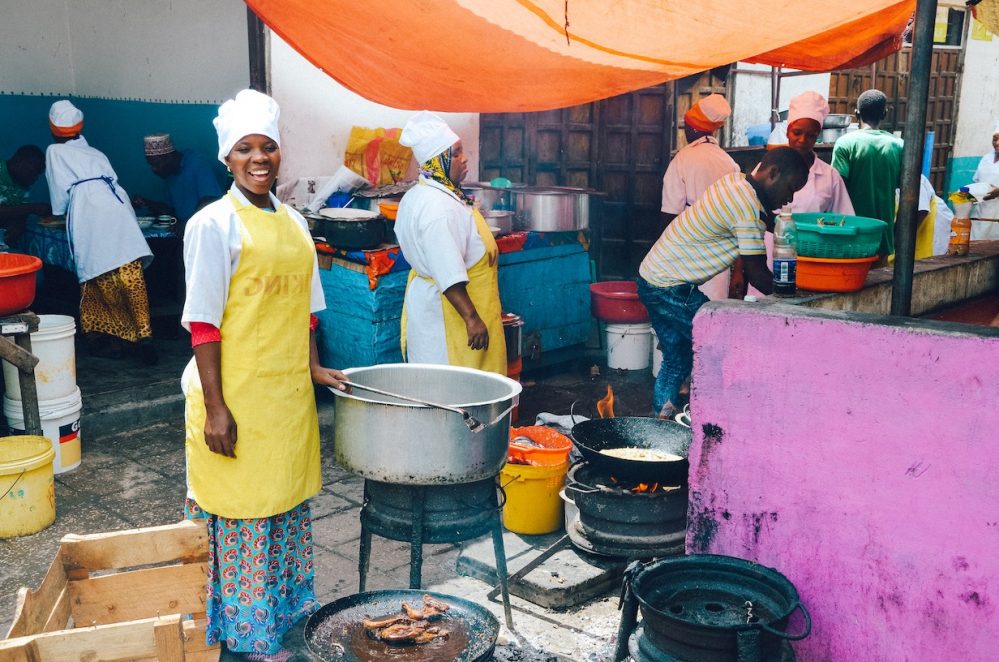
{"type": "Point", "coordinates": [17, 175]}
{"type": "Point", "coordinates": [870, 161]}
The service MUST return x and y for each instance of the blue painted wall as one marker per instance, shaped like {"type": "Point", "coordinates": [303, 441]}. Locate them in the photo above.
{"type": "Point", "coordinates": [115, 127]}
{"type": "Point", "coordinates": [960, 171]}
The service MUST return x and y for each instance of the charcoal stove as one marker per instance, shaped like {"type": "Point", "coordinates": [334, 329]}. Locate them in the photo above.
{"type": "Point", "coordinates": [432, 514]}
{"type": "Point", "coordinates": [643, 648]}
{"type": "Point", "coordinates": [614, 520]}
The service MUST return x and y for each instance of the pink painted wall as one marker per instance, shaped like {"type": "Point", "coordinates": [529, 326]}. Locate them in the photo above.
{"type": "Point", "coordinates": [861, 460]}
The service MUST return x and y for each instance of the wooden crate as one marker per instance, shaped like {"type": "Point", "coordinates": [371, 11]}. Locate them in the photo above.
{"type": "Point", "coordinates": [124, 595]}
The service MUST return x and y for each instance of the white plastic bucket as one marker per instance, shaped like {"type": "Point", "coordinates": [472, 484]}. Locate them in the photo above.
{"type": "Point", "coordinates": [55, 374]}
{"type": "Point", "coordinates": [657, 354]}
{"type": "Point", "coordinates": [60, 424]}
{"type": "Point", "coordinates": [628, 346]}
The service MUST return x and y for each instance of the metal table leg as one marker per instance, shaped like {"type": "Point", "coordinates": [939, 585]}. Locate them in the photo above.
{"type": "Point", "coordinates": [416, 539]}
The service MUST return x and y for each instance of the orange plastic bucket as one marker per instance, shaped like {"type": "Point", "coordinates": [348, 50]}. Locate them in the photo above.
{"type": "Point", "coordinates": [820, 274]}
{"type": "Point", "coordinates": [554, 446]}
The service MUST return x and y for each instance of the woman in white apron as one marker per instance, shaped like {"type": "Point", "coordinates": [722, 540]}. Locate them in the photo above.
{"type": "Point", "coordinates": [252, 439]}
{"type": "Point", "coordinates": [451, 314]}
{"type": "Point", "coordinates": [107, 244]}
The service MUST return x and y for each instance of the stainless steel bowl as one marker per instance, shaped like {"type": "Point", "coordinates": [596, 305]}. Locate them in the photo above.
{"type": "Point", "coordinates": [499, 218]}
{"type": "Point", "coordinates": [392, 441]}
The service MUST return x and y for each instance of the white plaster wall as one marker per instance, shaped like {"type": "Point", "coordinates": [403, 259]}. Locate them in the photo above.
{"type": "Point", "coordinates": [979, 106]}
{"type": "Point", "coordinates": [317, 114]}
{"type": "Point", "coordinates": [751, 104]}
{"type": "Point", "coordinates": [183, 50]}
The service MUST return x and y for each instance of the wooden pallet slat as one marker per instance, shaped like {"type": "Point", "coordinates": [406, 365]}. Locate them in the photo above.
{"type": "Point", "coordinates": [139, 594]}
{"type": "Point", "coordinates": [133, 640]}
{"type": "Point", "coordinates": [186, 541]}
{"type": "Point", "coordinates": [34, 607]}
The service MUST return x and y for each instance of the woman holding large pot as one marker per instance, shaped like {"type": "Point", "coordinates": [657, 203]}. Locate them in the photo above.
{"type": "Point", "coordinates": [252, 430]}
{"type": "Point", "coordinates": [451, 313]}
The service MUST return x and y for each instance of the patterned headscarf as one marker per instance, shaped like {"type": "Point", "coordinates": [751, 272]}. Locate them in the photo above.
{"type": "Point", "coordinates": [438, 168]}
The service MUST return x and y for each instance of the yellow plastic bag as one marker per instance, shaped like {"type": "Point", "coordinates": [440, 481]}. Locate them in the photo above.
{"type": "Point", "coordinates": [376, 155]}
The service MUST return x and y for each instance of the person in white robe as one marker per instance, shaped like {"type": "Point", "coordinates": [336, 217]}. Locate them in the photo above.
{"type": "Point", "coordinates": [988, 206]}
{"type": "Point", "coordinates": [108, 247]}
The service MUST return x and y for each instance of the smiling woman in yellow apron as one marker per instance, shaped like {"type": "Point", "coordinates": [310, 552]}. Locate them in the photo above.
{"type": "Point", "coordinates": [252, 435]}
{"type": "Point", "coordinates": [452, 311]}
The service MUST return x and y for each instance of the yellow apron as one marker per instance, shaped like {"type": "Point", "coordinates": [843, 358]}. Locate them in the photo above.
{"type": "Point", "coordinates": [483, 290]}
{"type": "Point", "coordinates": [924, 232]}
{"type": "Point", "coordinates": [266, 379]}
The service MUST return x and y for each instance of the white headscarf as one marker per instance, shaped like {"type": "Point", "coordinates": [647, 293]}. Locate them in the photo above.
{"type": "Point", "coordinates": [427, 135]}
{"type": "Point", "coordinates": [249, 113]}
{"type": "Point", "coordinates": [808, 105]}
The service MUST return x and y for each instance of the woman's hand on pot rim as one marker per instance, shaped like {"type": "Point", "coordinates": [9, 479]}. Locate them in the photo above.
{"type": "Point", "coordinates": [330, 377]}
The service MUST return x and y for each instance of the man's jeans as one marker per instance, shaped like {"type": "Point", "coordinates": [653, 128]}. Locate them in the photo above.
{"type": "Point", "coordinates": [671, 311]}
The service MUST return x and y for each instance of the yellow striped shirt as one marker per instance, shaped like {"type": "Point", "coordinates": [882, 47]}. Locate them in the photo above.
{"type": "Point", "coordinates": [708, 236]}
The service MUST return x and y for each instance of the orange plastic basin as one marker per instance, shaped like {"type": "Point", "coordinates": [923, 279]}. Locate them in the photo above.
{"type": "Point", "coordinates": [388, 209]}
{"type": "Point", "coordinates": [17, 281]}
{"type": "Point", "coordinates": [820, 274]}
{"type": "Point", "coordinates": [555, 447]}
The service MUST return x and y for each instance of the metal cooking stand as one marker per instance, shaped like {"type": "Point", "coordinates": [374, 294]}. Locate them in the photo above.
{"type": "Point", "coordinates": [420, 530]}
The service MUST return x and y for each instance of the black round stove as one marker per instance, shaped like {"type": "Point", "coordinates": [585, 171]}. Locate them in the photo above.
{"type": "Point", "coordinates": [641, 648]}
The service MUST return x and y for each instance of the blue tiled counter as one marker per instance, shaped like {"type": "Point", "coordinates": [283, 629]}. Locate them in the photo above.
{"type": "Point", "coordinates": [547, 286]}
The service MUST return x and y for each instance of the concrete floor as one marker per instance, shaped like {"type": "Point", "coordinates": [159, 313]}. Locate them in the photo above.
{"type": "Point", "coordinates": [132, 475]}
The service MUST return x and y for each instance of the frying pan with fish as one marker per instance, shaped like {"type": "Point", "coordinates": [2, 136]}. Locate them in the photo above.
{"type": "Point", "coordinates": [599, 434]}
{"type": "Point", "coordinates": [335, 633]}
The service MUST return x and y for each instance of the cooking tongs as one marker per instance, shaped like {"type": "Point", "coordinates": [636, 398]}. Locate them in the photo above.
{"type": "Point", "coordinates": [474, 424]}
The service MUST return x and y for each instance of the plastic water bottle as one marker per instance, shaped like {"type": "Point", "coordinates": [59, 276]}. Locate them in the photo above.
{"type": "Point", "coordinates": [785, 254]}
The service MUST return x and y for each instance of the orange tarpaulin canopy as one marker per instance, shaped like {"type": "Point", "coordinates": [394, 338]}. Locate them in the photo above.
{"type": "Point", "coordinates": [521, 55]}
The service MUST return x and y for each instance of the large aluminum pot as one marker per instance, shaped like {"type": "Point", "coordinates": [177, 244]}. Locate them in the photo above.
{"type": "Point", "coordinates": [392, 441]}
{"type": "Point", "coordinates": [552, 209]}
{"type": "Point", "coordinates": [488, 197]}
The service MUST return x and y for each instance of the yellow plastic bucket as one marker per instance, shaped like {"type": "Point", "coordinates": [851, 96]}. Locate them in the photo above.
{"type": "Point", "coordinates": [27, 488]}
{"type": "Point", "coordinates": [533, 505]}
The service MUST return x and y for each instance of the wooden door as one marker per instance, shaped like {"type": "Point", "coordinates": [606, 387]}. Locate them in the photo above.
{"type": "Point", "coordinates": [619, 146]}
{"type": "Point", "coordinates": [891, 76]}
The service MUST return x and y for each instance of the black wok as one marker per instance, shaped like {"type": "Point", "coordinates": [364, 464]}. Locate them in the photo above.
{"type": "Point", "coordinates": [598, 434]}
{"type": "Point", "coordinates": [335, 634]}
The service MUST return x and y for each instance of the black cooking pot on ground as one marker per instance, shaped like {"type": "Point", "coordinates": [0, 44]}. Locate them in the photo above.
{"type": "Point", "coordinates": [714, 608]}
{"type": "Point", "coordinates": [352, 229]}
{"type": "Point", "coordinates": [635, 432]}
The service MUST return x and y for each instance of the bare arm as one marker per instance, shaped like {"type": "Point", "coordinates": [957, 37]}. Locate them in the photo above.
{"type": "Point", "coordinates": [321, 375]}
{"type": "Point", "coordinates": [478, 335]}
{"type": "Point", "coordinates": [757, 273]}
{"type": "Point", "coordinates": [220, 426]}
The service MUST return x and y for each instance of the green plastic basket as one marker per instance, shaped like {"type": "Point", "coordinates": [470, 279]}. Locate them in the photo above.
{"type": "Point", "coordinates": [838, 235]}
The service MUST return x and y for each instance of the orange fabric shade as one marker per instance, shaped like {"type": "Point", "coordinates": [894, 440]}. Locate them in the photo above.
{"type": "Point", "coordinates": [523, 55]}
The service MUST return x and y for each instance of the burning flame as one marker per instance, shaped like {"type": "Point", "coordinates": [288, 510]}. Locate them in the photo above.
{"type": "Point", "coordinates": [642, 488]}
{"type": "Point", "coordinates": [605, 406]}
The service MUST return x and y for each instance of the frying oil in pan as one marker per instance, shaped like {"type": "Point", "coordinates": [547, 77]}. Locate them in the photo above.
{"type": "Point", "coordinates": [363, 648]}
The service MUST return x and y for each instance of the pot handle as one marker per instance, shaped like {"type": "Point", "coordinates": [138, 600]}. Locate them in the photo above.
{"type": "Point", "coordinates": [792, 637]}
{"type": "Point", "coordinates": [500, 417]}
{"type": "Point", "coordinates": [579, 487]}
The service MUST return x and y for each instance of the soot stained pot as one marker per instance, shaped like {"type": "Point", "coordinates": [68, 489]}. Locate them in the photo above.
{"type": "Point", "coordinates": [392, 441]}
{"type": "Point", "coordinates": [599, 434]}
{"type": "Point", "coordinates": [716, 608]}
{"type": "Point", "coordinates": [351, 228]}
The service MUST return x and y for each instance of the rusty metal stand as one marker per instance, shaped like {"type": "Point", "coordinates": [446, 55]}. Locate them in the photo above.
{"type": "Point", "coordinates": [18, 353]}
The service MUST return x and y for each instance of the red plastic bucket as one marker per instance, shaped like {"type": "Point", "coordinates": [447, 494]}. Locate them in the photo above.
{"type": "Point", "coordinates": [17, 281]}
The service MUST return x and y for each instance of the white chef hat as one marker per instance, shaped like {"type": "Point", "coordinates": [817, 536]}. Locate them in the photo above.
{"type": "Point", "coordinates": [778, 137]}
{"type": "Point", "coordinates": [65, 119]}
{"type": "Point", "coordinates": [808, 105]}
{"type": "Point", "coordinates": [427, 135]}
{"type": "Point", "coordinates": [249, 113]}
{"type": "Point", "coordinates": [708, 114]}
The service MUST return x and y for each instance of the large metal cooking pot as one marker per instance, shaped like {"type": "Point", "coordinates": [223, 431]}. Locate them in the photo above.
{"type": "Point", "coordinates": [553, 208]}
{"type": "Point", "coordinates": [488, 197]}
{"type": "Point", "coordinates": [392, 441]}
{"type": "Point", "coordinates": [352, 228]}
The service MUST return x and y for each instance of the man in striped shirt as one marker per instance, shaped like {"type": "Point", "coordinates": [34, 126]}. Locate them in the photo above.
{"type": "Point", "coordinates": [727, 222]}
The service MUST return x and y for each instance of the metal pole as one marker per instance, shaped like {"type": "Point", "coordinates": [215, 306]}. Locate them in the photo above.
{"type": "Point", "coordinates": [257, 42]}
{"type": "Point", "coordinates": [912, 157]}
